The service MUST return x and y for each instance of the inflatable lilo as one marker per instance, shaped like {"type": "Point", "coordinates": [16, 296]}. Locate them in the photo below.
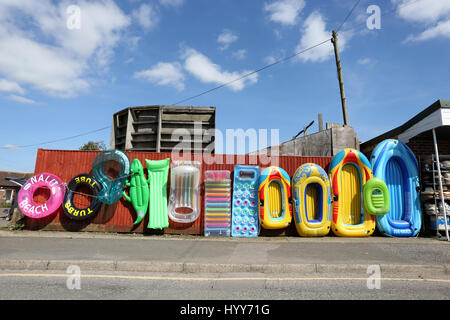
{"type": "Point", "coordinates": [111, 188]}
{"type": "Point", "coordinates": [244, 215]}
{"type": "Point", "coordinates": [312, 200]}
{"type": "Point", "coordinates": [184, 201]}
{"type": "Point", "coordinates": [70, 209]}
{"type": "Point", "coordinates": [139, 191]}
{"type": "Point", "coordinates": [349, 172]}
{"type": "Point", "coordinates": [394, 162]}
{"type": "Point", "coordinates": [274, 195]}
{"type": "Point", "coordinates": [158, 174]}
{"type": "Point", "coordinates": [26, 193]}
{"type": "Point", "coordinates": [217, 203]}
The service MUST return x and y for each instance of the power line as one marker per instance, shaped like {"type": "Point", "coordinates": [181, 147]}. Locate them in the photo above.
{"type": "Point", "coordinates": [58, 140]}
{"type": "Point", "coordinates": [387, 13]}
{"type": "Point", "coordinates": [238, 79]}
{"type": "Point", "coordinates": [253, 72]}
{"type": "Point", "coordinates": [348, 15]}
{"type": "Point", "coordinates": [269, 65]}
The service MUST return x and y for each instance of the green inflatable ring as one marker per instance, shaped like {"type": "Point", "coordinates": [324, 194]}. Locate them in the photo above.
{"type": "Point", "coordinates": [376, 197]}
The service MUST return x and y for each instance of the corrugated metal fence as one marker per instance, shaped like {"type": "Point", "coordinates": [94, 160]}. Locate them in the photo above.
{"type": "Point", "coordinates": [119, 217]}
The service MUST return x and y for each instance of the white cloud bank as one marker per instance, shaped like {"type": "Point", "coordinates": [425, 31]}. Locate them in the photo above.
{"type": "Point", "coordinates": [164, 73]}
{"type": "Point", "coordinates": [146, 15]}
{"type": "Point", "coordinates": [433, 14]}
{"type": "Point", "coordinates": [314, 31]}
{"type": "Point", "coordinates": [51, 57]}
{"type": "Point", "coordinates": [202, 68]}
{"type": "Point", "coordinates": [226, 38]}
{"type": "Point", "coordinates": [21, 99]}
{"type": "Point", "coordinates": [285, 11]}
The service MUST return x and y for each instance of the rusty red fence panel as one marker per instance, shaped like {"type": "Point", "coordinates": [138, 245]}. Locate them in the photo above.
{"type": "Point", "coordinates": [119, 217]}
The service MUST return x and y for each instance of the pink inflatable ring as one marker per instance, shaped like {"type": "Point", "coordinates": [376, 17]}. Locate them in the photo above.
{"type": "Point", "coordinates": [26, 193]}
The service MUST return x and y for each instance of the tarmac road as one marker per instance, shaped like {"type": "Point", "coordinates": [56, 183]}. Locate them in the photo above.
{"type": "Point", "coordinates": [27, 285]}
{"type": "Point", "coordinates": [33, 265]}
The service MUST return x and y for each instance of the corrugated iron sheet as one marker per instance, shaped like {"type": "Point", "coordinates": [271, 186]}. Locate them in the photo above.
{"type": "Point", "coordinates": [119, 217]}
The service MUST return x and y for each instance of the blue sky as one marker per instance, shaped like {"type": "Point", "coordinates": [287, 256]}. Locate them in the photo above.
{"type": "Point", "coordinates": [58, 80]}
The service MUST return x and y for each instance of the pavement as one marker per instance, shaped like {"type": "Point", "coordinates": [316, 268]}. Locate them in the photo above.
{"type": "Point", "coordinates": [51, 250]}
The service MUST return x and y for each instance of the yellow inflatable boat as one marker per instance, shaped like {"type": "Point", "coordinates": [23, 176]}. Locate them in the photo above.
{"type": "Point", "coordinates": [274, 194]}
{"type": "Point", "coordinates": [349, 172]}
{"type": "Point", "coordinates": [312, 200]}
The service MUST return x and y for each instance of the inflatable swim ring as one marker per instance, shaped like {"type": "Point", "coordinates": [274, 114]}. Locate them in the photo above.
{"type": "Point", "coordinates": [70, 209]}
{"type": "Point", "coordinates": [274, 194]}
{"type": "Point", "coordinates": [111, 188]}
{"type": "Point", "coordinates": [349, 172]}
{"type": "Point", "coordinates": [26, 193]}
{"type": "Point", "coordinates": [394, 162]}
{"type": "Point", "coordinates": [311, 193]}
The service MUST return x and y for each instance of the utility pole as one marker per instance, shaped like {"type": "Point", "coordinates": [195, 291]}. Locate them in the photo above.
{"type": "Point", "coordinates": [334, 40]}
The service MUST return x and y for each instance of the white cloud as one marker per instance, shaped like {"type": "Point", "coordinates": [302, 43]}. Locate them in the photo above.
{"type": "Point", "coordinates": [423, 10]}
{"type": "Point", "coordinates": [146, 15]}
{"type": "Point", "coordinates": [133, 42]}
{"type": "Point", "coordinates": [206, 71]}
{"type": "Point", "coordinates": [21, 99]}
{"type": "Point", "coordinates": [240, 54]}
{"type": "Point", "coordinates": [10, 146]}
{"type": "Point", "coordinates": [285, 11]}
{"type": "Point", "coordinates": [44, 67]}
{"type": "Point", "coordinates": [49, 56]}
{"type": "Point", "coordinates": [365, 61]}
{"type": "Point", "coordinates": [314, 32]}
{"type": "Point", "coordinates": [11, 86]}
{"type": "Point", "coordinates": [432, 14]}
{"type": "Point", "coordinates": [226, 38]}
{"type": "Point", "coordinates": [280, 54]}
{"type": "Point", "coordinates": [441, 29]}
{"type": "Point", "coordinates": [173, 3]}
{"type": "Point", "coordinates": [164, 73]}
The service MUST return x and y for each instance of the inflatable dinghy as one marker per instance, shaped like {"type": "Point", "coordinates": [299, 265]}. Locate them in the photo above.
{"type": "Point", "coordinates": [274, 195]}
{"type": "Point", "coordinates": [349, 172]}
{"type": "Point", "coordinates": [394, 162]}
{"type": "Point", "coordinates": [312, 200]}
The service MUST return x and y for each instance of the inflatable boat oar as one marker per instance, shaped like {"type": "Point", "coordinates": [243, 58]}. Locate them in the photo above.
{"type": "Point", "coordinates": [139, 191]}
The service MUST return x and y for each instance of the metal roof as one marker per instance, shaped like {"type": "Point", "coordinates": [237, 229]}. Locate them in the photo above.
{"type": "Point", "coordinates": [439, 104]}
{"type": "Point", "coordinates": [4, 183]}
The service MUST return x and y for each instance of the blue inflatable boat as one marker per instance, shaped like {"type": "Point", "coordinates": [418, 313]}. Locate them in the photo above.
{"type": "Point", "coordinates": [395, 163]}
